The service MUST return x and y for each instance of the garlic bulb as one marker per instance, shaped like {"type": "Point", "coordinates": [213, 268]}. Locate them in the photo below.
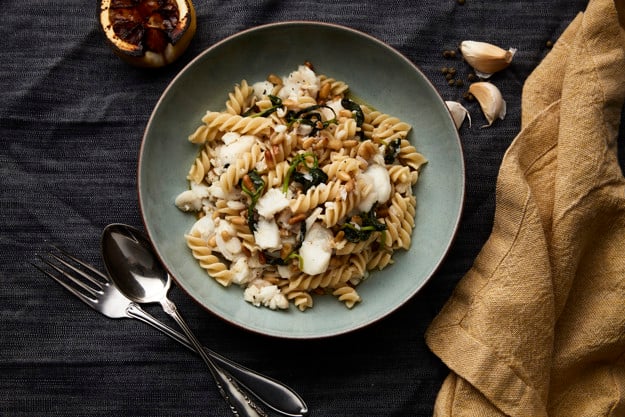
{"type": "Point", "coordinates": [458, 113]}
{"type": "Point", "coordinates": [486, 58]}
{"type": "Point", "coordinates": [491, 101]}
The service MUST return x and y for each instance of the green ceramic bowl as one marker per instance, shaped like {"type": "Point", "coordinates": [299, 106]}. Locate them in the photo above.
{"type": "Point", "coordinates": [377, 74]}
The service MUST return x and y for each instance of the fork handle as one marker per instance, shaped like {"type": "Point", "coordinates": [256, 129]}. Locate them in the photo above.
{"type": "Point", "coordinates": [272, 393]}
{"type": "Point", "coordinates": [240, 404]}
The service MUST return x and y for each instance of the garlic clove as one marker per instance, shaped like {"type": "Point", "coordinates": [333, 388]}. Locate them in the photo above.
{"type": "Point", "coordinates": [491, 101]}
{"type": "Point", "coordinates": [458, 113]}
{"type": "Point", "coordinates": [486, 58]}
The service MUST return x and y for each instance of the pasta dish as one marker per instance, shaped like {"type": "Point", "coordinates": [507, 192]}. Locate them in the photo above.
{"type": "Point", "coordinates": [299, 190]}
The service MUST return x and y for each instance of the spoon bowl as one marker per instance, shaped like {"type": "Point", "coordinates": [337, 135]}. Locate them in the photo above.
{"type": "Point", "coordinates": [132, 265]}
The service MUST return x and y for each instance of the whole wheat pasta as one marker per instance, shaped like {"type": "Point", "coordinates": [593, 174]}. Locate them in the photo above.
{"type": "Point", "coordinates": [299, 191]}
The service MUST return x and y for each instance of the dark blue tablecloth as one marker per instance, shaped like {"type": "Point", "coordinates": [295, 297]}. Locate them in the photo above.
{"type": "Point", "coordinates": [71, 120]}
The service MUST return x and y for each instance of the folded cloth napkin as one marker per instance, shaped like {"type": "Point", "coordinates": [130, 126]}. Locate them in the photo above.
{"type": "Point", "coordinates": [537, 326]}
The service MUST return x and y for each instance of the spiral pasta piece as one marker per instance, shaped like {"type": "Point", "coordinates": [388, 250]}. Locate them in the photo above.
{"type": "Point", "coordinates": [344, 167]}
{"type": "Point", "coordinates": [281, 147]}
{"type": "Point", "coordinates": [264, 104]}
{"type": "Point", "coordinates": [316, 196]}
{"type": "Point", "coordinates": [204, 134]}
{"type": "Point", "coordinates": [304, 102]}
{"type": "Point", "coordinates": [347, 295]}
{"type": "Point", "coordinates": [408, 155]}
{"type": "Point", "coordinates": [337, 210]}
{"type": "Point", "coordinates": [340, 142]}
{"type": "Point", "coordinates": [381, 127]}
{"type": "Point", "coordinates": [346, 129]}
{"type": "Point", "coordinates": [334, 87]}
{"type": "Point", "coordinates": [239, 99]}
{"type": "Point", "coordinates": [208, 261]}
{"type": "Point", "coordinates": [401, 178]}
{"type": "Point", "coordinates": [399, 223]}
{"type": "Point", "coordinates": [301, 299]}
{"type": "Point", "coordinates": [379, 259]}
{"type": "Point", "coordinates": [275, 177]}
{"type": "Point", "coordinates": [199, 247]}
{"type": "Point", "coordinates": [332, 278]}
{"type": "Point", "coordinates": [226, 122]}
{"type": "Point", "coordinates": [201, 166]}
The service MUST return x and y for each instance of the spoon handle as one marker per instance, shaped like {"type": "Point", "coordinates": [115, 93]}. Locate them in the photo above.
{"type": "Point", "coordinates": [240, 404]}
{"type": "Point", "coordinates": [272, 393]}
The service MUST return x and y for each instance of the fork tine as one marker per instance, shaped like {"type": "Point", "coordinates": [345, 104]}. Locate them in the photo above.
{"type": "Point", "coordinates": [67, 272]}
{"type": "Point", "coordinates": [87, 286]}
{"type": "Point", "coordinates": [94, 290]}
{"type": "Point", "coordinates": [81, 296]}
{"type": "Point", "coordinates": [94, 270]}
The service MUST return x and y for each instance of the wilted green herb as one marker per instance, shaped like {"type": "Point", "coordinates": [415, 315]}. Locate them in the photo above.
{"type": "Point", "coordinates": [357, 233]}
{"type": "Point", "coordinates": [356, 110]}
{"type": "Point", "coordinates": [271, 259]}
{"type": "Point", "coordinates": [310, 117]}
{"type": "Point", "coordinates": [316, 174]}
{"type": "Point", "coordinates": [276, 103]}
{"type": "Point", "coordinates": [259, 186]}
{"type": "Point", "coordinates": [392, 150]}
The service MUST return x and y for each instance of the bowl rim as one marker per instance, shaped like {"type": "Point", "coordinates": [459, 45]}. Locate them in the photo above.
{"type": "Point", "coordinates": [313, 23]}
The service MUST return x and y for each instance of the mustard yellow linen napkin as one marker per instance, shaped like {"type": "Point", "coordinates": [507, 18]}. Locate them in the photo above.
{"type": "Point", "coordinates": [537, 326]}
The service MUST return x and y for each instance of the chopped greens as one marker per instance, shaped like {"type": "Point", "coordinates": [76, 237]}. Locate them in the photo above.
{"type": "Point", "coordinates": [392, 150]}
{"type": "Point", "coordinates": [356, 110]}
{"type": "Point", "coordinates": [258, 185]}
{"type": "Point", "coordinates": [357, 233]}
{"type": "Point", "coordinates": [301, 235]}
{"type": "Point", "coordinates": [276, 103]}
{"type": "Point", "coordinates": [271, 259]}
{"type": "Point", "coordinates": [315, 175]}
{"type": "Point", "coordinates": [310, 117]}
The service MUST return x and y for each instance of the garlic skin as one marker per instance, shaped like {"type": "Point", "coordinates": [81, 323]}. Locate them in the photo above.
{"type": "Point", "coordinates": [458, 113]}
{"type": "Point", "coordinates": [491, 101]}
{"type": "Point", "coordinates": [485, 58]}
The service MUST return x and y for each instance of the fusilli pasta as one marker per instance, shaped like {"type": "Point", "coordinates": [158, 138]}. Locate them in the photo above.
{"type": "Point", "coordinates": [299, 191]}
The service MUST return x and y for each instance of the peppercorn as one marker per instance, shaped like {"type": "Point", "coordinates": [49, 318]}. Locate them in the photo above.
{"type": "Point", "coordinates": [449, 53]}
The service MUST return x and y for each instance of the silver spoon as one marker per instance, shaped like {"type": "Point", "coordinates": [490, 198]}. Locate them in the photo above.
{"type": "Point", "coordinates": [132, 264]}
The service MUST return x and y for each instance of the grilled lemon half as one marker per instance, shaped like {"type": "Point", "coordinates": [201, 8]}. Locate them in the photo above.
{"type": "Point", "coordinates": [148, 33]}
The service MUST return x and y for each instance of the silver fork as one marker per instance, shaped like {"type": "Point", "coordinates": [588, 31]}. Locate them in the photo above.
{"type": "Point", "coordinates": [98, 291]}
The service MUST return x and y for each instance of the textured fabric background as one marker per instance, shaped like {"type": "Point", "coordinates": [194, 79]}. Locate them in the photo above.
{"type": "Point", "coordinates": [71, 120]}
